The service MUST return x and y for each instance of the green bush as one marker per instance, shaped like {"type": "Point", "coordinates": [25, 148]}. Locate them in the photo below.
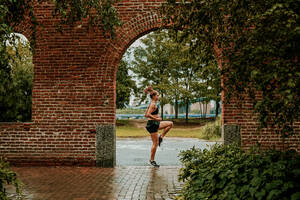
{"type": "Point", "coordinates": [227, 172]}
{"type": "Point", "coordinates": [16, 85]}
{"type": "Point", "coordinates": [131, 111]}
{"type": "Point", "coordinates": [212, 130]}
{"type": "Point", "coordinates": [10, 178]}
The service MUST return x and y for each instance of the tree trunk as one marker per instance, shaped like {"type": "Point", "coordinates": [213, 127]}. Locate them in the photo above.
{"type": "Point", "coordinates": [217, 108]}
{"type": "Point", "coordinates": [200, 105]}
{"type": "Point", "coordinates": [176, 108]}
{"type": "Point", "coordinates": [162, 108]}
{"type": "Point", "coordinates": [205, 110]}
{"type": "Point", "coordinates": [187, 102]}
{"type": "Point", "coordinates": [187, 111]}
{"type": "Point", "coordinates": [176, 101]}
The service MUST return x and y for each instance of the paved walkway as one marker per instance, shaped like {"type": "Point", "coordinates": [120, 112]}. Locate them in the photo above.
{"type": "Point", "coordinates": [90, 183]}
{"type": "Point", "coordinates": [136, 151]}
{"type": "Point", "coordinates": [142, 182]}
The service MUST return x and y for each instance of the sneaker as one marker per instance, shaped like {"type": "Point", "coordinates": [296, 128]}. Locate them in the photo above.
{"type": "Point", "coordinates": [159, 140]}
{"type": "Point", "coordinates": [153, 163]}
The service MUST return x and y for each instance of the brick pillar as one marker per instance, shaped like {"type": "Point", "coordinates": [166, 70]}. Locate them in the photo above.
{"type": "Point", "coordinates": [106, 145]}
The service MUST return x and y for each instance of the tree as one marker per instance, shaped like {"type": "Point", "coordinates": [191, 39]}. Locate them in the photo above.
{"type": "Point", "coordinates": [150, 65]}
{"type": "Point", "coordinates": [200, 79]}
{"type": "Point", "coordinates": [174, 69]}
{"type": "Point", "coordinates": [209, 85]}
{"type": "Point", "coordinates": [15, 98]}
{"type": "Point", "coordinates": [188, 68]}
{"type": "Point", "coordinates": [176, 73]}
{"type": "Point", "coordinates": [181, 67]}
{"type": "Point", "coordinates": [125, 84]}
{"type": "Point", "coordinates": [259, 43]}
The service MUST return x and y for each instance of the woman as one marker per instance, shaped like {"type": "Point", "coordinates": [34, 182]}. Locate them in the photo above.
{"type": "Point", "coordinates": [155, 123]}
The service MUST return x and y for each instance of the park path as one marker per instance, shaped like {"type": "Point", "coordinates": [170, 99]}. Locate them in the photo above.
{"type": "Point", "coordinates": [91, 183]}
{"type": "Point", "coordinates": [136, 151]}
{"type": "Point", "coordinates": [124, 182]}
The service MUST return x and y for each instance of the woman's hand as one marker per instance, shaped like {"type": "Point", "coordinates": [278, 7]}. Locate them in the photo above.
{"type": "Point", "coordinates": [159, 119]}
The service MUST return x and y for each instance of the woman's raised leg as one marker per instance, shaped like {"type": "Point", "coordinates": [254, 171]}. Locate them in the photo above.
{"type": "Point", "coordinates": [166, 125]}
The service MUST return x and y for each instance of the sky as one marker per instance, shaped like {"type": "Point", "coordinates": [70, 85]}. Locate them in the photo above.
{"type": "Point", "coordinates": [22, 38]}
{"type": "Point", "coordinates": [137, 43]}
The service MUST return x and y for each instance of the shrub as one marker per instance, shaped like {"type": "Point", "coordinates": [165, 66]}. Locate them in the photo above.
{"type": "Point", "coordinates": [227, 172]}
{"type": "Point", "coordinates": [131, 111]}
{"type": "Point", "coordinates": [212, 130]}
{"type": "Point", "coordinates": [16, 85]}
{"type": "Point", "coordinates": [8, 177]}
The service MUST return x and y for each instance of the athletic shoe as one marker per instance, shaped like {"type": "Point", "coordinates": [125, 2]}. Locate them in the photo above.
{"type": "Point", "coordinates": [153, 163]}
{"type": "Point", "coordinates": [159, 140]}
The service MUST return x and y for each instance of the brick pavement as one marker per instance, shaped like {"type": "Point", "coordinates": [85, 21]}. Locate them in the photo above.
{"type": "Point", "coordinates": [90, 183]}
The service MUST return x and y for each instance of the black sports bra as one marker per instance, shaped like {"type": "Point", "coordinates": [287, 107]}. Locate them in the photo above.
{"type": "Point", "coordinates": [155, 112]}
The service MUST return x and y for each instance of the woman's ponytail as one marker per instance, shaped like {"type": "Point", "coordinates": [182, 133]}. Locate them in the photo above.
{"type": "Point", "coordinates": [148, 89]}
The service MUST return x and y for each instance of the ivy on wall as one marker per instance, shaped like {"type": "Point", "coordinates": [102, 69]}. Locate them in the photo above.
{"type": "Point", "coordinates": [259, 42]}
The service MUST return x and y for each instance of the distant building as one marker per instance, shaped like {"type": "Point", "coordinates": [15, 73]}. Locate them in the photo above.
{"type": "Point", "coordinates": [197, 107]}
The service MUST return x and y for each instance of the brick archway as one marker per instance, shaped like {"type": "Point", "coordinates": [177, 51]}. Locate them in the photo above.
{"type": "Point", "coordinates": [73, 103]}
{"type": "Point", "coordinates": [25, 28]}
{"type": "Point", "coordinates": [129, 33]}
{"type": "Point", "coordinates": [132, 30]}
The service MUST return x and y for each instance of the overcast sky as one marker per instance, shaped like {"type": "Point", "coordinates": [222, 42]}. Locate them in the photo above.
{"type": "Point", "coordinates": [137, 43]}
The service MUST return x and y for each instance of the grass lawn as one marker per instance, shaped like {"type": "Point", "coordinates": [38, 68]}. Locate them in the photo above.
{"type": "Point", "coordinates": [194, 129]}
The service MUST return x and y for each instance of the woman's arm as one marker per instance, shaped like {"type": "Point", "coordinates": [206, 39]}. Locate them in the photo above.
{"type": "Point", "coordinates": [149, 110]}
{"type": "Point", "coordinates": [146, 113]}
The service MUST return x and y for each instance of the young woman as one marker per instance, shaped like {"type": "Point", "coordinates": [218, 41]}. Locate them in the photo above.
{"type": "Point", "coordinates": [155, 123]}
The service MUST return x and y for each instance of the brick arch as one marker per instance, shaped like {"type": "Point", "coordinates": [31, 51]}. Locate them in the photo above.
{"type": "Point", "coordinates": [130, 31]}
{"type": "Point", "coordinates": [137, 27]}
{"type": "Point", "coordinates": [133, 29]}
{"type": "Point", "coordinates": [25, 28]}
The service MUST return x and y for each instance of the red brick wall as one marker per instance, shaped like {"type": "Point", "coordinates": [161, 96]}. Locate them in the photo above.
{"type": "Point", "coordinates": [74, 89]}
{"type": "Point", "coordinates": [31, 144]}
{"type": "Point", "coordinates": [243, 116]}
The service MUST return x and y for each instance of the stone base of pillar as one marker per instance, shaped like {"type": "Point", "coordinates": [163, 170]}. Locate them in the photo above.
{"type": "Point", "coordinates": [106, 145]}
{"type": "Point", "coordinates": [231, 134]}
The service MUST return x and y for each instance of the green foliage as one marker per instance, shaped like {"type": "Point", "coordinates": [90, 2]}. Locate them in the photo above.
{"type": "Point", "coordinates": [131, 111]}
{"type": "Point", "coordinates": [213, 130]}
{"type": "Point", "coordinates": [177, 74]}
{"type": "Point", "coordinates": [150, 64]}
{"type": "Point", "coordinates": [74, 11]}
{"type": "Point", "coordinates": [8, 177]}
{"type": "Point", "coordinates": [227, 172]}
{"type": "Point", "coordinates": [16, 90]}
{"type": "Point", "coordinates": [125, 85]}
{"type": "Point", "coordinates": [259, 43]}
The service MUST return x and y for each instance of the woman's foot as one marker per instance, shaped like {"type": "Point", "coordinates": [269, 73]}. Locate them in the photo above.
{"type": "Point", "coordinates": [160, 139]}
{"type": "Point", "coordinates": [153, 163]}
